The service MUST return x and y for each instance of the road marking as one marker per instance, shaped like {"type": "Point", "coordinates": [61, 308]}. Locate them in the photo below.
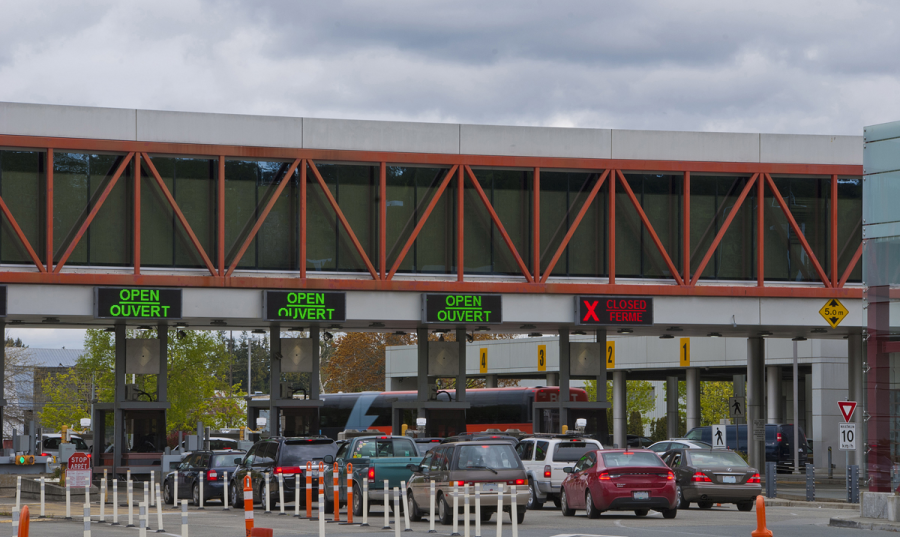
{"type": "Point", "coordinates": [640, 528]}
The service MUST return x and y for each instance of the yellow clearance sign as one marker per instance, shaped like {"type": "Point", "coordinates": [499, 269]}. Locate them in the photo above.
{"type": "Point", "coordinates": [542, 357]}
{"type": "Point", "coordinates": [833, 312]}
{"type": "Point", "coordinates": [482, 360]}
{"type": "Point", "coordinates": [610, 355]}
{"type": "Point", "coordinates": [684, 352]}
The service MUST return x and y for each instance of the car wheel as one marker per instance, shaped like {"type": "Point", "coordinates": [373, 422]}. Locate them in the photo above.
{"type": "Point", "coordinates": [745, 506]}
{"type": "Point", "coordinates": [444, 511]}
{"type": "Point", "coordinates": [669, 513]}
{"type": "Point", "coordinates": [564, 505]}
{"type": "Point", "coordinates": [592, 511]}
{"type": "Point", "coordinates": [520, 516]}
{"type": "Point", "coordinates": [195, 494]}
{"type": "Point", "coordinates": [411, 506]}
{"type": "Point", "coordinates": [357, 501]}
{"type": "Point", "coordinates": [680, 502]}
{"type": "Point", "coordinates": [705, 505]}
{"type": "Point", "coordinates": [167, 493]}
{"type": "Point", "coordinates": [641, 512]}
{"type": "Point", "coordinates": [533, 502]}
{"type": "Point", "coordinates": [486, 515]}
{"type": "Point", "coordinates": [556, 502]}
{"type": "Point", "coordinates": [236, 501]}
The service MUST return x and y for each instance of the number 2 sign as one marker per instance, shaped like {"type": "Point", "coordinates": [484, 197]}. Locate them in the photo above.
{"type": "Point", "coordinates": [610, 355]}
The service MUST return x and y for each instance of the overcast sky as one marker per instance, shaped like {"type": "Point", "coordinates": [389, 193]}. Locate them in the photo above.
{"type": "Point", "coordinates": [788, 67]}
{"type": "Point", "coordinates": [810, 67]}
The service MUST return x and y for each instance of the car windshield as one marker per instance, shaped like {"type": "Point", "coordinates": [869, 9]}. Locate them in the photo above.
{"type": "Point", "coordinates": [295, 452]}
{"type": "Point", "coordinates": [631, 458]}
{"type": "Point", "coordinates": [494, 456]}
{"type": "Point", "coordinates": [571, 451]}
{"type": "Point", "coordinates": [53, 443]}
{"type": "Point", "coordinates": [222, 443]}
{"type": "Point", "coordinates": [225, 461]}
{"type": "Point", "coordinates": [715, 458]}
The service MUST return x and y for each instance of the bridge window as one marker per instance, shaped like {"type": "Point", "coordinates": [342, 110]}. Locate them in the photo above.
{"type": "Point", "coordinates": [712, 198]}
{"type": "Point", "coordinates": [509, 192]}
{"type": "Point", "coordinates": [563, 194]}
{"type": "Point", "coordinates": [660, 197]}
{"type": "Point", "coordinates": [22, 186]}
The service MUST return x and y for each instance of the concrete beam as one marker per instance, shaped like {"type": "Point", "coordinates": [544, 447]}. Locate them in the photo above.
{"type": "Point", "coordinates": [534, 141]}
{"type": "Point", "coordinates": [219, 129]}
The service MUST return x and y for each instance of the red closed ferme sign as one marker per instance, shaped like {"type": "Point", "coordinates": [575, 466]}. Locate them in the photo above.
{"type": "Point", "coordinates": [613, 310]}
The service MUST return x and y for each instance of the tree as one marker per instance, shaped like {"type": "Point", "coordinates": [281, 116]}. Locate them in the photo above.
{"type": "Point", "coordinates": [639, 395]}
{"type": "Point", "coordinates": [357, 361]}
{"type": "Point", "coordinates": [18, 385]}
{"type": "Point", "coordinates": [714, 398]}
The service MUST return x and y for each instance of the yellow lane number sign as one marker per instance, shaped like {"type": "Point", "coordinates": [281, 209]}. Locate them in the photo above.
{"type": "Point", "coordinates": [610, 355]}
{"type": "Point", "coordinates": [542, 357]}
{"type": "Point", "coordinates": [482, 360]}
{"type": "Point", "coordinates": [684, 352]}
{"type": "Point", "coordinates": [833, 312]}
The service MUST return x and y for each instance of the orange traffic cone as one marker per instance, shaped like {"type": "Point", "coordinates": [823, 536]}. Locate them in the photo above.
{"type": "Point", "coordinates": [761, 530]}
{"type": "Point", "coordinates": [23, 522]}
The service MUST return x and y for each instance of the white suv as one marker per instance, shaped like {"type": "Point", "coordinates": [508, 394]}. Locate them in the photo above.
{"type": "Point", "coordinates": [545, 457]}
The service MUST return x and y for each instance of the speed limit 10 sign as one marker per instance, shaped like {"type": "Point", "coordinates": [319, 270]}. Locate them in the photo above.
{"type": "Point", "coordinates": [848, 436]}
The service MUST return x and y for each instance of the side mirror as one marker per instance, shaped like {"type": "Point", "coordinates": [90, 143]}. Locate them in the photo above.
{"type": "Point", "coordinates": [412, 467]}
{"type": "Point", "coordinates": [328, 459]}
{"type": "Point", "coordinates": [237, 461]}
{"type": "Point", "coordinates": [568, 469]}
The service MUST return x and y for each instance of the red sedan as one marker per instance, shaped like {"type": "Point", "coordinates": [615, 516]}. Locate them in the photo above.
{"type": "Point", "coordinates": [619, 480]}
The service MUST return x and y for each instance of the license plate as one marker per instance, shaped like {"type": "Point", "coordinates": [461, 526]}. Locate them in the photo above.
{"type": "Point", "coordinates": [640, 495]}
{"type": "Point", "coordinates": [489, 487]}
{"type": "Point", "coordinates": [729, 479]}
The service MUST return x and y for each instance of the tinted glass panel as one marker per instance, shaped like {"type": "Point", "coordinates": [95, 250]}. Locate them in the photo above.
{"type": "Point", "coordinates": [613, 460]}
{"type": "Point", "coordinates": [487, 456]}
{"type": "Point", "coordinates": [298, 451]}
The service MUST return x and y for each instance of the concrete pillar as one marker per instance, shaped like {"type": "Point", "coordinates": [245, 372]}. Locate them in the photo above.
{"type": "Point", "coordinates": [552, 379]}
{"type": "Point", "coordinates": [620, 408]}
{"type": "Point", "coordinates": [563, 377]}
{"type": "Point", "coordinates": [162, 378]}
{"type": "Point", "coordinates": [756, 397]}
{"type": "Point", "coordinates": [422, 370]}
{"type": "Point", "coordinates": [118, 397]}
{"type": "Point", "coordinates": [274, 380]}
{"type": "Point", "coordinates": [672, 406]}
{"type": "Point", "coordinates": [740, 391]}
{"type": "Point", "coordinates": [856, 393]}
{"type": "Point", "coordinates": [692, 384]}
{"type": "Point", "coordinates": [461, 372]}
{"type": "Point", "coordinates": [490, 381]}
{"type": "Point", "coordinates": [775, 410]}
{"type": "Point", "coordinates": [314, 382]}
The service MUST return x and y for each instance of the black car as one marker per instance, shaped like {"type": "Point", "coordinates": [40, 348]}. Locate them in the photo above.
{"type": "Point", "coordinates": [213, 465]}
{"type": "Point", "coordinates": [280, 456]}
{"type": "Point", "coordinates": [779, 442]}
{"type": "Point", "coordinates": [481, 436]}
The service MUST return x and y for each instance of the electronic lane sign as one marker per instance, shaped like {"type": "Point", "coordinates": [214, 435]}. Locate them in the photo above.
{"type": "Point", "coordinates": [136, 303]}
{"type": "Point", "coordinates": [462, 309]}
{"type": "Point", "coordinates": [305, 306]}
{"type": "Point", "coordinates": [613, 310]}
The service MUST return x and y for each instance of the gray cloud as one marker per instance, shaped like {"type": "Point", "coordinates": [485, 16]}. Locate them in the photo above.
{"type": "Point", "coordinates": [803, 66]}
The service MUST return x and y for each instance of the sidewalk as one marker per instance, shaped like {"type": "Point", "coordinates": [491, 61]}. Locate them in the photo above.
{"type": "Point", "coordinates": [861, 523]}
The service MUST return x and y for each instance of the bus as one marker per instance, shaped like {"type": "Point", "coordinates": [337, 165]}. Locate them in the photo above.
{"type": "Point", "coordinates": [491, 408]}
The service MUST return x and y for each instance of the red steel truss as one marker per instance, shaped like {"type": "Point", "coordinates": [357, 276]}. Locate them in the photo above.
{"type": "Point", "coordinates": [383, 277]}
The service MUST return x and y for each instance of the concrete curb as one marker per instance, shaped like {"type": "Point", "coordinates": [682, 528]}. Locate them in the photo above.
{"type": "Point", "coordinates": [861, 524]}
{"type": "Point", "coordinates": [778, 502]}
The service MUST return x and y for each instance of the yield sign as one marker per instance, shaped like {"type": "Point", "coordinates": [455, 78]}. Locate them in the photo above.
{"type": "Point", "coordinates": [847, 408]}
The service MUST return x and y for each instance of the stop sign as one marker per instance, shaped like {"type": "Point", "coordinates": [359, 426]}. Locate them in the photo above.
{"type": "Point", "coordinates": [79, 461]}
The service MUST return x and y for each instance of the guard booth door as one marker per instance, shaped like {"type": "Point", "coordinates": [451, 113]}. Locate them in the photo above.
{"type": "Point", "coordinates": [444, 423]}
{"type": "Point", "coordinates": [299, 421]}
{"type": "Point", "coordinates": [597, 425]}
{"type": "Point", "coordinates": [548, 421]}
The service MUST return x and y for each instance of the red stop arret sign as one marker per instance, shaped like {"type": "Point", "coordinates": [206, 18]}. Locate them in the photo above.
{"type": "Point", "coordinates": [613, 310]}
{"type": "Point", "coordinates": [79, 461]}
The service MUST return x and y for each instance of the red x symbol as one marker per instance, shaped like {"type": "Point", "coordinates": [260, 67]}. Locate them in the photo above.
{"type": "Point", "coordinates": [591, 307]}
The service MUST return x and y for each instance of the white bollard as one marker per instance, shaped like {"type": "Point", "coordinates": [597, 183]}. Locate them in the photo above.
{"type": "Point", "coordinates": [227, 506]}
{"type": "Point", "coordinates": [147, 496]}
{"type": "Point", "coordinates": [405, 501]}
{"type": "Point", "coordinates": [499, 509]}
{"type": "Point", "coordinates": [87, 495]}
{"type": "Point", "coordinates": [387, 506]}
{"type": "Point", "coordinates": [514, 511]}
{"type": "Point", "coordinates": [365, 503]}
{"type": "Point", "coordinates": [115, 502]}
{"type": "Point", "coordinates": [142, 516]}
{"type": "Point", "coordinates": [431, 510]}
{"type": "Point", "coordinates": [455, 508]}
{"type": "Point", "coordinates": [202, 479]}
{"type": "Point", "coordinates": [466, 510]}
{"type": "Point", "coordinates": [266, 477]}
{"type": "Point", "coordinates": [477, 509]}
{"type": "Point", "coordinates": [281, 494]}
{"type": "Point", "coordinates": [159, 504]}
{"type": "Point", "coordinates": [68, 500]}
{"type": "Point", "coordinates": [87, 521]}
{"type": "Point", "coordinates": [129, 492]}
{"type": "Point", "coordinates": [103, 499]}
{"type": "Point", "coordinates": [152, 488]}
{"type": "Point", "coordinates": [321, 511]}
{"type": "Point", "coordinates": [18, 492]}
{"type": "Point", "coordinates": [42, 497]}
{"type": "Point", "coordinates": [297, 495]}
{"type": "Point", "coordinates": [15, 523]}
{"type": "Point", "coordinates": [174, 489]}
{"type": "Point", "coordinates": [184, 518]}
{"type": "Point", "coordinates": [396, 512]}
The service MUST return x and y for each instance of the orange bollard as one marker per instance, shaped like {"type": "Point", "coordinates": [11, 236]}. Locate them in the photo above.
{"type": "Point", "coordinates": [248, 505]}
{"type": "Point", "coordinates": [761, 530]}
{"type": "Point", "coordinates": [23, 522]}
{"type": "Point", "coordinates": [337, 493]}
{"type": "Point", "coordinates": [261, 532]}
{"type": "Point", "coordinates": [308, 489]}
{"type": "Point", "coordinates": [349, 493]}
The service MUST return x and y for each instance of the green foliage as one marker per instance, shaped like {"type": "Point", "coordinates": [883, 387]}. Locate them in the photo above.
{"type": "Point", "coordinates": [660, 429]}
{"type": "Point", "coordinates": [714, 401]}
{"type": "Point", "coordinates": [635, 424]}
{"type": "Point", "coordinates": [639, 395]}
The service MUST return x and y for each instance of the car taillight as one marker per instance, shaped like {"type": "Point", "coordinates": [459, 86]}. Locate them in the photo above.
{"type": "Point", "coordinates": [547, 471]}
{"type": "Point", "coordinates": [287, 470]}
{"type": "Point", "coordinates": [45, 454]}
{"type": "Point", "coordinates": [700, 477]}
{"type": "Point", "coordinates": [460, 483]}
{"type": "Point", "coordinates": [212, 475]}
{"type": "Point", "coordinates": [754, 479]}
{"type": "Point", "coordinates": [516, 482]}
{"type": "Point", "coordinates": [371, 473]}
{"type": "Point", "coordinates": [670, 477]}
{"type": "Point", "coordinates": [603, 476]}
{"type": "Point", "coordinates": [778, 437]}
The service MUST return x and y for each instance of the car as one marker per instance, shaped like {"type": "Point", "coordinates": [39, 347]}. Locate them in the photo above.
{"type": "Point", "coordinates": [213, 464]}
{"type": "Point", "coordinates": [677, 443]}
{"type": "Point", "coordinates": [427, 443]}
{"type": "Point", "coordinates": [635, 441]}
{"type": "Point", "coordinates": [779, 442]}
{"type": "Point", "coordinates": [284, 456]}
{"type": "Point", "coordinates": [481, 436]}
{"type": "Point", "coordinates": [49, 446]}
{"type": "Point", "coordinates": [490, 463]}
{"type": "Point", "coordinates": [216, 443]}
{"type": "Point", "coordinates": [544, 458]}
{"type": "Point", "coordinates": [708, 476]}
{"type": "Point", "coordinates": [619, 480]}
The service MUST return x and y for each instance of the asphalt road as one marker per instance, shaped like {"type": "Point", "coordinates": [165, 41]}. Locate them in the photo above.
{"type": "Point", "coordinates": [724, 521]}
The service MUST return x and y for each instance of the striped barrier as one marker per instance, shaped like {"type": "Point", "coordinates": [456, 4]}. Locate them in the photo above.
{"type": "Point", "coordinates": [248, 504]}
